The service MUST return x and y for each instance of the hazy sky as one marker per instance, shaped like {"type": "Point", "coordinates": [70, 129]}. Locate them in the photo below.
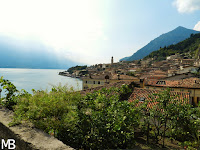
{"type": "Point", "coordinates": [91, 31]}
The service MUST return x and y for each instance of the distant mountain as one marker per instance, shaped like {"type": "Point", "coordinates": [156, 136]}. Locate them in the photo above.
{"type": "Point", "coordinates": [177, 35]}
{"type": "Point", "coordinates": [30, 54]}
{"type": "Point", "coordinates": [189, 48]}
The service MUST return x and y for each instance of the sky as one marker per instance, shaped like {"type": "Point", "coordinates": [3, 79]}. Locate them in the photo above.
{"type": "Point", "coordinates": [92, 31]}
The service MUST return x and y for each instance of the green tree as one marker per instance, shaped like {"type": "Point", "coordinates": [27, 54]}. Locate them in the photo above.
{"type": "Point", "coordinates": [105, 122]}
{"type": "Point", "coordinates": [11, 93]}
{"type": "Point", "coordinates": [171, 116]}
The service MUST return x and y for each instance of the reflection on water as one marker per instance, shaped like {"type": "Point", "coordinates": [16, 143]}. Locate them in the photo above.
{"type": "Point", "coordinates": [38, 79]}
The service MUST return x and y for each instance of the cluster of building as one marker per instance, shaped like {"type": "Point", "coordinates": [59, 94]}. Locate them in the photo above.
{"type": "Point", "coordinates": [179, 74]}
{"type": "Point", "coordinates": [104, 74]}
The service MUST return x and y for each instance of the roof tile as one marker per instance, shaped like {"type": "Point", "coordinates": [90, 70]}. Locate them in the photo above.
{"type": "Point", "coordinates": [150, 96]}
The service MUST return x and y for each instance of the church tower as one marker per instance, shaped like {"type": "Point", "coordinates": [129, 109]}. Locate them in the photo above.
{"type": "Point", "coordinates": [112, 60]}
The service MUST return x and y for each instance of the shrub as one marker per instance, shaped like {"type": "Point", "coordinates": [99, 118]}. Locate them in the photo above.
{"type": "Point", "coordinates": [99, 120]}
{"type": "Point", "coordinates": [12, 94]}
{"type": "Point", "coordinates": [104, 121]}
{"type": "Point", "coordinates": [47, 111]}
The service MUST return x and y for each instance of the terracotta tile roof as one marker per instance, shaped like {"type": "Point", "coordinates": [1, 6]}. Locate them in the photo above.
{"type": "Point", "coordinates": [111, 76]}
{"type": "Point", "coordinates": [123, 77]}
{"type": "Point", "coordinates": [117, 84]}
{"type": "Point", "coordinates": [153, 76]}
{"type": "Point", "coordinates": [172, 70]}
{"type": "Point", "coordinates": [132, 68]}
{"type": "Point", "coordinates": [144, 94]}
{"type": "Point", "coordinates": [192, 82]}
{"type": "Point", "coordinates": [158, 72]}
{"type": "Point", "coordinates": [150, 96]}
{"type": "Point", "coordinates": [100, 76]}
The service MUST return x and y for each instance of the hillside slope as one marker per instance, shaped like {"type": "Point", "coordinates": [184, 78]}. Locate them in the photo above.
{"type": "Point", "coordinates": [177, 35]}
{"type": "Point", "coordinates": [188, 48]}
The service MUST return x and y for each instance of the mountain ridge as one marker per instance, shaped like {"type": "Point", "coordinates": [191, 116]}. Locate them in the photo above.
{"type": "Point", "coordinates": [188, 48]}
{"type": "Point", "coordinates": [172, 37]}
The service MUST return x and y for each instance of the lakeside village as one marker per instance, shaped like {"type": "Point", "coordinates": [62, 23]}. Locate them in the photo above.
{"type": "Point", "coordinates": [122, 105]}
{"type": "Point", "coordinates": [179, 74]}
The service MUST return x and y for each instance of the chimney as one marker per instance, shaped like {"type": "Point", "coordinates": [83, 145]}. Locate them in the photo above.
{"type": "Point", "coordinates": [118, 76]}
{"type": "Point", "coordinates": [141, 83]}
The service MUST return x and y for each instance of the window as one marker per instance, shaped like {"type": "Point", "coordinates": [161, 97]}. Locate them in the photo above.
{"type": "Point", "coordinates": [172, 89]}
{"type": "Point", "coordinates": [189, 91]}
{"type": "Point", "coordinates": [181, 90]}
{"type": "Point", "coordinates": [193, 101]}
{"type": "Point", "coordinates": [198, 100]}
{"type": "Point", "coordinates": [107, 77]}
{"type": "Point", "coordinates": [142, 99]}
{"type": "Point", "coordinates": [86, 82]}
{"type": "Point", "coordinates": [161, 83]}
{"type": "Point", "coordinates": [93, 82]}
{"type": "Point", "coordinates": [98, 82]}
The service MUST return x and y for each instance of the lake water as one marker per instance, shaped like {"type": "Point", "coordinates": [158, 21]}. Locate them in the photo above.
{"type": "Point", "coordinates": [38, 79]}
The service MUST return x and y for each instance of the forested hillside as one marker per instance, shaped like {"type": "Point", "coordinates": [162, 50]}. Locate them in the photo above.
{"type": "Point", "coordinates": [188, 48]}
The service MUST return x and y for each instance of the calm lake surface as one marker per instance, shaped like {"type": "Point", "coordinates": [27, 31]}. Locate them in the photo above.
{"type": "Point", "coordinates": [38, 79]}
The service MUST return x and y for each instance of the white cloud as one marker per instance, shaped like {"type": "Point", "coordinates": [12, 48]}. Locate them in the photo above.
{"type": "Point", "coordinates": [197, 26]}
{"type": "Point", "coordinates": [187, 6]}
{"type": "Point", "coordinates": [63, 24]}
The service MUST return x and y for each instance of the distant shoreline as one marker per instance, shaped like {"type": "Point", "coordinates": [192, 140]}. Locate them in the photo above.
{"type": "Point", "coordinates": [31, 68]}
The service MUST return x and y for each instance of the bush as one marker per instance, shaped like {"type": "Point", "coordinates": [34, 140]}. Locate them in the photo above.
{"type": "Point", "coordinates": [99, 120]}
{"type": "Point", "coordinates": [12, 94]}
{"type": "Point", "coordinates": [171, 117]}
{"type": "Point", "coordinates": [47, 111]}
{"type": "Point", "coordinates": [104, 121]}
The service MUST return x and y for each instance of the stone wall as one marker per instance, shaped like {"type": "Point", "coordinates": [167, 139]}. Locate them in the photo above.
{"type": "Point", "coordinates": [27, 137]}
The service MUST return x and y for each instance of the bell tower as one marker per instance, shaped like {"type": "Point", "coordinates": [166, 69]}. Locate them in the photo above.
{"type": "Point", "coordinates": [112, 60]}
